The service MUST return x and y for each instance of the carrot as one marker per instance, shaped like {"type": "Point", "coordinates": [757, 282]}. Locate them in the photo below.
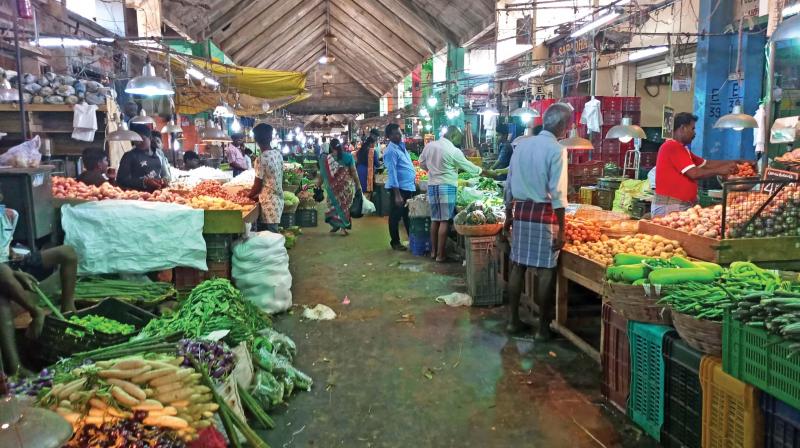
{"type": "Point", "coordinates": [98, 403]}
{"type": "Point", "coordinates": [169, 410]}
{"type": "Point", "coordinates": [132, 389]}
{"type": "Point", "coordinates": [160, 364]}
{"type": "Point", "coordinates": [166, 421]}
{"type": "Point", "coordinates": [147, 376]}
{"type": "Point", "coordinates": [171, 378]}
{"type": "Point", "coordinates": [122, 397]}
{"type": "Point", "coordinates": [169, 388]}
{"type": "Point", "coordinates": [129, 364]}
{"type": "Point", "coordinates": [122, 374]}
{"type": "Point", "coordinates": [148, 405]}
{"type": "Point", "coordinates": [176, 395]}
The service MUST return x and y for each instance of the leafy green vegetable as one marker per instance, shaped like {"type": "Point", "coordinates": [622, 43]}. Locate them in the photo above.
{"type": "Point", "coordinates": [93, 322]}
{"type": "Point", "coordinates": [95, 289]}
{"type": "Point", "coordinates": [290, 198]}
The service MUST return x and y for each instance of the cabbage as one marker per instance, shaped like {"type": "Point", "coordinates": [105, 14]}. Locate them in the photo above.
{"type": "Point", "coordinates": [290, 198]}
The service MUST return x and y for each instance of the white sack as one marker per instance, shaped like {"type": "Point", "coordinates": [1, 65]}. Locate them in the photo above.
{"type": "Point", "coordinates": [261, 271]}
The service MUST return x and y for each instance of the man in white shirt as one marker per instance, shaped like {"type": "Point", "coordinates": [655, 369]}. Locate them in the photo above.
{"type": "Point", "coordinates": [18, 275]}
{"type": "Point", "coordinates": [536, 196]}
{"type": "Point", "coordinates": [442, 160]}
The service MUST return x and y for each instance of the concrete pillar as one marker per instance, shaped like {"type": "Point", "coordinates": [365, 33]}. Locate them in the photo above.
{"type": "Point", "coordinates": [715, 95]}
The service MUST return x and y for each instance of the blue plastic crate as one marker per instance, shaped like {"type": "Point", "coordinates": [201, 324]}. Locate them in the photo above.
{"type": "Point", "coordinates": [781, 423]}
{"type": "Point", "coordinates": [419, 245]}
{"type": "Point", "coordinates": [646, 397]}
{"type": "Point", "coordinates": [683, 395]}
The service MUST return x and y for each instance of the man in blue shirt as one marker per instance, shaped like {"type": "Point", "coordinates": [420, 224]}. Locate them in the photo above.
{"type": "Point", "coordinates": [400, 182]}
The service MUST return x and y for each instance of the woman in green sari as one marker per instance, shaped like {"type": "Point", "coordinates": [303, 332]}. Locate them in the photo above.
{"type": "Point", "coordinates": [339, 177]}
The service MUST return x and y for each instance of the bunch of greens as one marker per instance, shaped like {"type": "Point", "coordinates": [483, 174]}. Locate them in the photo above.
{"type": "Point", "coordinates": [92, 322]}
{"type": "Point", "coordinates": [488, 184]}
{"type": "Point", "coordinates": [96, 289]}
{"type": "Point", "coordinates": [213, 305]}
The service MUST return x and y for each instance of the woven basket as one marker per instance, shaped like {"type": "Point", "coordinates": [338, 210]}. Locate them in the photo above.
{"type": "Point", "coordinates": [483, 230]}
{"type": "Point", "coordinates": [634, 303]}
{"type": "Point", "coordinates": [702, 335]}
{"type": "Point", "coordinates": [290, 209]}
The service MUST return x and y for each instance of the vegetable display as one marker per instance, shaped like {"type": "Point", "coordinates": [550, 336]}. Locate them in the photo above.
{"type": "Point", "coordinates": [290, 199]}
{"type": "Point", "coordinates": [32, 385]}
{"type": "Point", "coordinates": [578, 231]}
{"type": "Point", "coordinates": [604, 251]}
{"type": "Point", "coordinates": [167, 395]}
{"type": "Point", "coordinates": [696, 220]}
{"type": "Point", "coordinates": [780, 216]}
{"type": "Point", "coordinates": [744, 169]}
{"type": "Point", "coordinates": [92, 322]}
{"type": "Point", "coordinates": [215, 356]}
{"type": "Point", "coordinates": [95, 289]}
{"type": "Point", "coordinates": [212, 203]}
{"type": "Point", "coordinates": [132, 433]}
{"type": "Point", "coordinates": [214, 189]}
{"type": "Point", "coordinates": [638, 270]}
{"type": "Point", "coordinates": [213, 305]}
{"type": "Point", "coordinates": [68, 188]}
{"type": "Point", "coordinates": [478, 214]}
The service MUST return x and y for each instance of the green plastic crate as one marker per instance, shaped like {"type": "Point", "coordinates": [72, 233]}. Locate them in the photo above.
{"type": "Point", "coordinates": [756, 357]}
{"type": "Point", "coordinates": [646, 396]}
{"type": "Point", "coordinates": [419, 226]}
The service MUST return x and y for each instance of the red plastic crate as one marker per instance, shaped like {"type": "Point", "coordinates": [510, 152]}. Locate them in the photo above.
{"type": "Point", "coordinates": [631, 104]}
{"type": "Point", "coordinates": [542, 105]}
{"type": "Point", "coordinates": [648, 159]}
{"type": "Point", "coordinates": [612, 117]}
{"type": "Point", "coordinates": [610, 146]}
{"type": "Point", "coordinates": [188, 278]}
{"type": "Point", "coordinates": [636, 117]}
{"type": "Point", "coordinates": [615, 358]}
{"type": "Point", "coordinates": [610, 103]}
{"type": "Point", "coordinates": [577, 102]}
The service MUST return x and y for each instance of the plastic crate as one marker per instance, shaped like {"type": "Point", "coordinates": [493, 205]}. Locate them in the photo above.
{"type": "Point", "coordinates": [781, 423]}
{"type": "Point", "coordinates": [605, 198]}
{"type": "Point", "coordinates": [587, 195]}
{"type": "Point", "coordinates": [683, 396]}
{"type": "Point", "coordinates": [187, 278]}
{"type": "Point", "coordinates": [731, 413]}
{"type": "Point", "coordinates": [758, 358]}
{"type": "Point", "coordinates": [306, 217]}
{"type": "Point", "coordinates": [503, 259]}
{"type": "Point", "coordinates": [288, 220]}
{"type": "Point", "coordinates": [646, 398]}
{"type": "Point", "coordinates": [419, 245]}
{"type": "Point", "coordinates": [615, 358]}
{"type": "Point", "coordinates": [419, 226]}
{"type": "Point", "coordinates": [482, 284]}
{"type": "Point", "coordinates": [218, 247]}
{"type": "Point", "coordinates": [54, 343]}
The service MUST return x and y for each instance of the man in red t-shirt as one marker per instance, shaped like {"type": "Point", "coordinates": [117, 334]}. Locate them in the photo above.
{"type": "Point", "coordinates": [678, 169]}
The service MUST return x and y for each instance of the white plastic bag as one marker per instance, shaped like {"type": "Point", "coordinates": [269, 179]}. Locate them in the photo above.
{"type": "Point", "coordinates": [455, 299]}
{"type": "Point", "coordinates": [118, 236]}
{"type": "Point", "coordinates": [367, 206]}
{"type": "Point", "coordinates": [261, 271]}
{"type": "Point", "coordinates": [24, 155]}
{"type": "Point", "coordinates": [319, 312]}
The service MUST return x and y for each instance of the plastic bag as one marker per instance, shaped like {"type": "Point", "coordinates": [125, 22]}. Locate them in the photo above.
{"type": "Point", "coordinates": [319, 312]}
{"type": "Point", "coordinates": [24, 155]}
{"type": "Point", "coordinates": [455, 299]}
{"type": "Point", "coordinates": [261, 271]}
{"type": "Point", "coordinates": [357, 206]}
{"type": "Point", "coordinates": [281, 343]}
{"type": "Point", "coordinates": [367, 207]}
{"type": "Point", "coordinates": [267, 390]}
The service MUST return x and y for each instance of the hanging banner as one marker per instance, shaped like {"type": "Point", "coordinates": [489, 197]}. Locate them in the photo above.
{"type": "Point", "coordinates": [682, 78]}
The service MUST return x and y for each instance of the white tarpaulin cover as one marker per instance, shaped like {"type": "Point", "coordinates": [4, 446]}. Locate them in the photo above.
{"type": "Point", "coordinates": [118, 236]}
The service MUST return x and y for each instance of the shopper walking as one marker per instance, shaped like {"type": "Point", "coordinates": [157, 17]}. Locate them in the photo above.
{"type": "Point", "coordinates": [536, 194]}
{"type": "Point", "coordinates": [678, 169]}
{"type": "Point", "coordinates": [365, 166]}
{"type": "Point", "coordinates": [234, 154]}
{"type": "Point", "coordinates": [339, 177]}
{"type": "Point", "coordinates": [505, 150]}
{"type": "Point", "coordinates": [442, 160]}
{"type": "Point", "coordinates": [268, 185]}
{"type": "Point", "coordinates": [400, 183]}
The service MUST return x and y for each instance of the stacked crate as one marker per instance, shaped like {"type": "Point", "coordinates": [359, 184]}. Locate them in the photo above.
{"type": "Point", "coordinates": [219, 249]}
{"type": "Point", "coordinates": [613, 109]}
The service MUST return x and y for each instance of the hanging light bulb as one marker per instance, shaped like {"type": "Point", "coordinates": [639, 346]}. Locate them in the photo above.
{"type": "Point", "coordinates": [223, 110]}
{"type": "Point", "coordinates": [235, 125]}
{"type": "Point", "coordinates": [285, 149]}
{"type": "Point", "coordinates": [525, 113]}
{"type": "Point", "coordinates": [432, 101]}
{"type": "Point", "coordinates": [736, 120]}
{"type": "Point", "coordinates": [148, 84]}
{"type": "Point", "coordinates": [626, 131]}
{"type": "Point", "coordinates": [171, 127]}
{"type": "Point", "coordinates": [143, 118]}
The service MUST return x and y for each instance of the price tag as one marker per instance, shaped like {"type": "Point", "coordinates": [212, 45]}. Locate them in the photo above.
{"type": "Point", "coordinates": [772, 173]}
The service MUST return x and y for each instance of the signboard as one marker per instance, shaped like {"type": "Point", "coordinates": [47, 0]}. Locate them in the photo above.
{"type": "Point", "coordinates": [772, 173]}
{"type": "Point", "coordinates": [682, 78]}
{"type": "Point", "coordinates": [667, 121]}
{"type": "Point", "coordinates": [575, 52]}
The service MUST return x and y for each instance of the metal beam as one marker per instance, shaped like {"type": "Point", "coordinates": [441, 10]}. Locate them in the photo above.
{"type": "Point", "coordinates": [381, 37]}
{"type": "Point", "coordinates": [258, 25]}
{"type": "Point", "coordinates": [407, 8]}
{"type": "Point", "coordinates": [294, 44]}
{"type": "Point", "coordinates": [272, 39]}
{"type": "Point", "coordinates": [220, 22]}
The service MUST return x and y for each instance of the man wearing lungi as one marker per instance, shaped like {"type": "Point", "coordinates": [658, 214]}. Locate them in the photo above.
{"type": "Point", "coordinates": [442, 160]}
{"type": "Point", "coordinates": [536, 195]}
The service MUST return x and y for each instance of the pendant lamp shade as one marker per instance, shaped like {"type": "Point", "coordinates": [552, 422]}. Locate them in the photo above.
{"type": "Point", "coordinates": [213, 134]}
{"type": "Point", "coordinates": [576, 142]}
{"type": "Point", "coordinates": [626, 131]}
{"type": "Point", "coordinates": [787, 30]}
{"type": "Point", "coordinates": [525, 113]}
{"type": "Point", "coordinates": [171, 128]}
{"type": "Point", "coordinates": [736, 120]}
{"type": "Point", "coordinates": [143, 118]}
{"type": "Point", "coordinates": [148, 84]}
{"type": "Point", "coordinates": [123, 134]}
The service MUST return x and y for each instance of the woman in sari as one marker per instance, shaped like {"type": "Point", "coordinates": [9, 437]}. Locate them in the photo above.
{"type": "Point", "coordinates": [365, 165]}
{"type": "Point", "coordinates": [340, 179]}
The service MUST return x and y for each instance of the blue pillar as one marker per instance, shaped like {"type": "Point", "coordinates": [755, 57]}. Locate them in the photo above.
{"type": "Point", "coordinates": [715, 95]}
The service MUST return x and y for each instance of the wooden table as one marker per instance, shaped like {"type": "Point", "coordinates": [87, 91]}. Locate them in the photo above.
{"type": "Point", "coordinates": [590, 275]}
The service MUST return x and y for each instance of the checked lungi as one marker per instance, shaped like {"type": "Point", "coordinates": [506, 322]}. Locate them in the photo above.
{"type": "Point", "coordinates": [442, 200]}
{"type": "Point", "coordinates": [533, 234]}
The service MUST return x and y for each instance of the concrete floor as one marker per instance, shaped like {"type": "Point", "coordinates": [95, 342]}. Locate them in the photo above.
{"type": "Point", "coordinates": [397, 369]}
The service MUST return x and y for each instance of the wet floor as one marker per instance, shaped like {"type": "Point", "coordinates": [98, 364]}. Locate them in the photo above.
{"type": "Point", "coordinates": [398, 369]}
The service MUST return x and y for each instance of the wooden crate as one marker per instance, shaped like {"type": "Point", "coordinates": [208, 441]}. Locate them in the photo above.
{"type": "Point", "coordinates": [228, 221]}
{"type": "Point", "coordinates": [776, 249]}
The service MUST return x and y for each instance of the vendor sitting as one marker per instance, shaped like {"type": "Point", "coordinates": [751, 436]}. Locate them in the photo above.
{"type": "Point", "coordinates": [18, 275]}
{"type": "Point", "coordinates": [191, 160]}
{"type": "Point", "coordinates": [140, 168]}
{"type": "Point", "coordinates": [95, 167]}
{"type": "Point", "coordinates": [678, 169]}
